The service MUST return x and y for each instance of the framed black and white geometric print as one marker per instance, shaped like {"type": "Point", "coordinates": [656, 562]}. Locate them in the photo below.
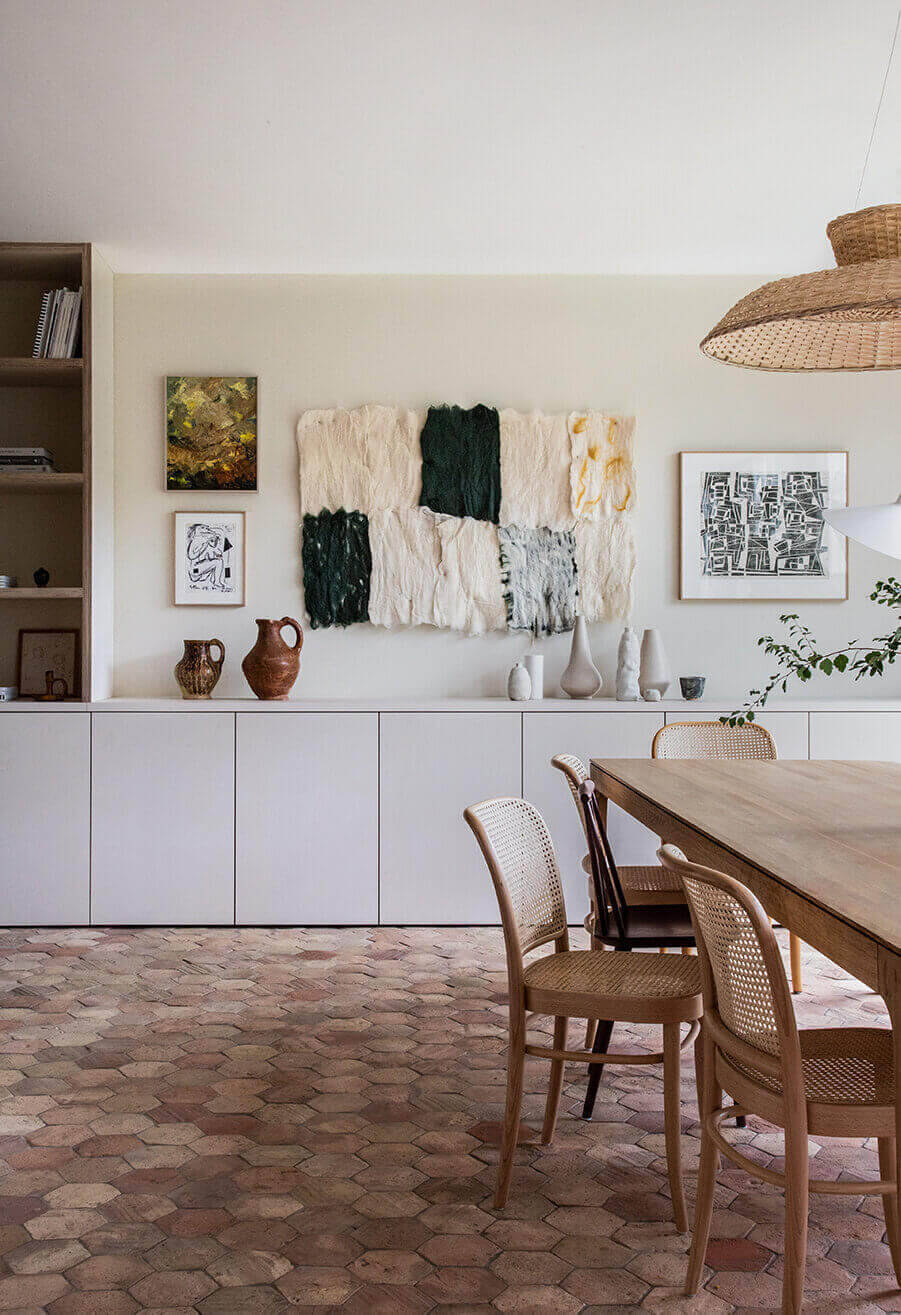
{"type": "Point", "coordinates": [210, 558]}
{"type": "Point", "coordinates": [752, 525]}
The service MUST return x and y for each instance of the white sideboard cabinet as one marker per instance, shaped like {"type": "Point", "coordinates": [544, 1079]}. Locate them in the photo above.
{"type": "Point", "coordinates": [431, 765]}
{"type": "Point", "coordinates": [163, 812]}
{"type": "Point", "coordinates": [861, 735]}
{"type": "Point", "coordinates": [306, 810]}
{"type": "Point", "coordinates": [45, 818]}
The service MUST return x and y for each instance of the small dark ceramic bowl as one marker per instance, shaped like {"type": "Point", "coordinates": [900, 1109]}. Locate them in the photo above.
{"type": "Point", "coordinates": [692, 686]}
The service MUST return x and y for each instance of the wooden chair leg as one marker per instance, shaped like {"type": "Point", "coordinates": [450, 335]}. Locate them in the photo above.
{"type": "Point", "coordinates": [601, 1046]}
{"type": "Point", "coordinates": [890, 1202]}
{"type": "Point", "coordinates": [794, 954]}
{"type": "Point", "coordinates": [516, 1057]}
{"type": "Point", "coordinates": [709, 1099]}
{"type": "Point", "coordinates": [796, 1202]}
{"type": "Point", "coordinates": [555, 1085]}
{"type": "Point", "coordinates": [672, 1113]}
{"type": "Point", "coordinates": [591, 1028]}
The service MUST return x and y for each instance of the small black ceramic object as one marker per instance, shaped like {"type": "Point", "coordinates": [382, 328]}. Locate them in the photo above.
{"type": "Point", "coordinates": [41, 577]}
{"type": "Point", "coordinates": [692, 687]}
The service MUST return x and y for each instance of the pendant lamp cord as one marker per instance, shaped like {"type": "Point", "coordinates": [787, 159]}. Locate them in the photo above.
{"type": "Point", "coordinates": [888, 69]}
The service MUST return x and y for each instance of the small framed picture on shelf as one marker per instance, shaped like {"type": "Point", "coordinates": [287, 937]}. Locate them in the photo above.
{"type": "Point", "coordinates": [752, 525]}
{"type": "Point", "coordinates": [210, 558]}
{"type": "Point", "coordinates": [49, 664]}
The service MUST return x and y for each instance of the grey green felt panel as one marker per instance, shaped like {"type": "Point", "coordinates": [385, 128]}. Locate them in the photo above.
{"type": "Point", "coordinates": [461, 462]}
{"type": "Point", "coordinates": [337, 567]}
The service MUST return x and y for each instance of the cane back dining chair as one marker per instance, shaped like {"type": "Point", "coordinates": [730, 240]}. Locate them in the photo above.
{"type": "Point", "coordinates": [640, 988]}
{"type": "Point", "coordinates": [714, 739]}
{"type": "Point", "coordinates": [817, 1082]}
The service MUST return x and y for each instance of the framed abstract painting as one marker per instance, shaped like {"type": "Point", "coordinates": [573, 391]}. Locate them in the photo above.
{"type": "Point", "coordinates": [211, 433]}
{"type": "Point", "coordinates": [752, 525]}
{"type": "Point", "coordinates": [210, 558]}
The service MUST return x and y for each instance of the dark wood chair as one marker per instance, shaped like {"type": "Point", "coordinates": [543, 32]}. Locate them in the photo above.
{"type": "Point", "coordinates": [619, 925]}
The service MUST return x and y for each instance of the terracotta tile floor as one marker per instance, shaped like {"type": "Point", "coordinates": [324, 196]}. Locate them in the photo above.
{"type": "Point", "coordinates": [257, 1121]}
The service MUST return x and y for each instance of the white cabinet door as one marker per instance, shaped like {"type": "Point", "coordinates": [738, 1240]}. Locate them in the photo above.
{"type": "Point", "coordinates": [431, 766]}
{"type": "Point", "coordinates": [788, 729]}
{"type": "Point", "coordinates": [45, 784]}
{"type": "Point", "coordinates": [587, 735]}
{"type": "Point", "coordinates": [863, 735]}
{"type": "Point", "coordinates": [307, 818]}
{"type": "Point", "coordinates": [163, 808]}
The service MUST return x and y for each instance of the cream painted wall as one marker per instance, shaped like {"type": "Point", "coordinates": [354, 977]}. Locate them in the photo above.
{"type": "Point", "coordinates": [553, 343]}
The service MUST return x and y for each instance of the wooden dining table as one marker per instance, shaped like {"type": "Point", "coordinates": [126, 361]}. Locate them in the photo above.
{"type": "Point", "coordinates": [819, 844]}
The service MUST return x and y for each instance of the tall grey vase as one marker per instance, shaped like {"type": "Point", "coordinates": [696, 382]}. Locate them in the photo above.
{"type": "Point", "coordinates": [655, 672]}
{"type": "Point", "coordinates": [581, 679]}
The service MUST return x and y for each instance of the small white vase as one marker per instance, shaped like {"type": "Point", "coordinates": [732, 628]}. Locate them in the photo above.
{"type": "Point", "coordinates": [581, 679]}
{"type": "Point", "coordinates": [655, 672]}
{"type": "Point", "coordinates": [534, 665]}
{"type": "Point", "coordinates": [519, 686]}
{"type": "Point", "coordinates": [627, 690]}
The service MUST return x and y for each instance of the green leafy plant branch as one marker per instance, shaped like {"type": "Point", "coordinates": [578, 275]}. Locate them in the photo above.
{"type": "Point", "coordinates": [799, 657]}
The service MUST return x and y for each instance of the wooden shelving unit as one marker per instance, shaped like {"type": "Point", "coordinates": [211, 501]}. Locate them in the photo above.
{"type": "Point", "coordinates": [66, 406]}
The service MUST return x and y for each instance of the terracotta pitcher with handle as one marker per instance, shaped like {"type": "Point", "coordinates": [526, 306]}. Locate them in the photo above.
{"type": "Point", "coordinates": [271, 666]}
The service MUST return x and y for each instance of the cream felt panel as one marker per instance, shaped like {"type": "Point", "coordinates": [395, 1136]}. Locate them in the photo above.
{"type": "Point", "coordinates": [536, 455]}
{"type": "Point", "coordinates": [605, 565]}
{"type": "Point", "coordinates": [435, 570]}
{"type": "Point", "coordinates": [602, 471]}
{"type": "Point", "coordinates": [367, 459]}
{"type": "Point", "coordinates": [405, 562]}
{"type": "Point", "coordinates": [469, 595]}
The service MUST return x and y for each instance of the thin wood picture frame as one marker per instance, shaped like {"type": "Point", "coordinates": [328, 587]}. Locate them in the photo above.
{"type": "Point", "coordinates": [31, 675]}
{"type": "Point", "coordinates": [738, 510]}
{"type": "Point", "coordinates": [210, 558]}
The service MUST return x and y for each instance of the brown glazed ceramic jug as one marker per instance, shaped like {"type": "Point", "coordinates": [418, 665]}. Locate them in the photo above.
{"type": "Point", "coordinates": [271, 666]}
{"type": "Point", "coordinates": [198, 671]}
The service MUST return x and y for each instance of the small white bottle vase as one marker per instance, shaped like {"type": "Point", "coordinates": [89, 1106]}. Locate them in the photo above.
{"type": "Point", "coordinates": [654, 672]}
{"type": "Point", "coordinates": [519, 686]}
{"type": "Point", "coordinates": [627, 690]}
{"type": "Point", "coordinates": [534, 665]}
{"type": "Point", "coordinates": [581, 679]}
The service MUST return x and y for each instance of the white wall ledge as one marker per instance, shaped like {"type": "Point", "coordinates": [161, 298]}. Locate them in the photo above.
{"type": "Point", "coordinates": [704, 708]}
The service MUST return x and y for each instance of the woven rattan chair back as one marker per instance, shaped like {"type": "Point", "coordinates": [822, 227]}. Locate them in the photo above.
{"type": "Point", "coordinates": [519, 852]}
{"type": "Point", "coordinates": [713, 739]}
{"type": "Point", "coordinates": [744, 982]}
{"type": "Point", "coordinates": [574, 773]}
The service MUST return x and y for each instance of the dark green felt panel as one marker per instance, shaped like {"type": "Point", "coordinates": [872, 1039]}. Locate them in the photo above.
{"type": "Point", "coordinates": [337, 567]}
{"type": "Point", "coordinates": [461, 462]}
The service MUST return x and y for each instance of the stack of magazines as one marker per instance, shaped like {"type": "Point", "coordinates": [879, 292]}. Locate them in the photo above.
{"type": "Point", "coordinates": [58, 323]}
{"type": "Point", "coordinates": [30, 459]}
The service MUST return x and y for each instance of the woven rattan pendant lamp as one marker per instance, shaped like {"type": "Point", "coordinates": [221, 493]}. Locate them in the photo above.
{"type": "Point", "coordinates": [848, 318]}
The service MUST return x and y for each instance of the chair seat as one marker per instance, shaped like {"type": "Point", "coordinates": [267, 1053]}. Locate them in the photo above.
{"type": "Point", "coordinates": [845, 1069]}
{"type": "Point", "coordinates": [639, 988]}
{"type": "Point", "coordinates": [649, 926]}
{"type": "Point", "coordinates": [645, 885]}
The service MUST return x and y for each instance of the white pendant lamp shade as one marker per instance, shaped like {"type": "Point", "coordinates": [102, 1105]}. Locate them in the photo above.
{"type": "Point", "coordinates": [877, 527]}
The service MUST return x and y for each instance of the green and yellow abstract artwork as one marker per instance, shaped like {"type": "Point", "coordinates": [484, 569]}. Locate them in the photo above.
{"type": "Point", "coordinates": [211, 432]}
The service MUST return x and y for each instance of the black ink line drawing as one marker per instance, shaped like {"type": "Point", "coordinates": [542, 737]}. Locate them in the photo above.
{"type": "Point", "coordinates": [763, 525]}
{"type": "Point", "coordinates": [208, 554]}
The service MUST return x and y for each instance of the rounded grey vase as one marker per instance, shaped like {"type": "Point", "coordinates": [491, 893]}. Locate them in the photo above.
{"type": "Point", "coordinates": [581, 679]}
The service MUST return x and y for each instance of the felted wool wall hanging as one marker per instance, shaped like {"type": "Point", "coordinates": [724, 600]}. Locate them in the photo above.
{"type": "Point", "coordinates": [466, 519]}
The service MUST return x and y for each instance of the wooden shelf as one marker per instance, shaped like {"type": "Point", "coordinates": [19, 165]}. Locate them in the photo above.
{"type": "Point", "coordinates": [34, 594]}
{"type": "Point", "coordinates": [26, 372]}
{"type": "Point", "coordinates": [55, 482]}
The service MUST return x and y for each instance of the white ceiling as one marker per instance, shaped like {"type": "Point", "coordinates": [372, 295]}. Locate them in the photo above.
{"type": "Point", "coordinates": [477, 136]}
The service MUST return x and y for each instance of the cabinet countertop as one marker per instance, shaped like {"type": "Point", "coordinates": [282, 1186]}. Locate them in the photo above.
{"type": "Point", "coordinates": [701, 708]}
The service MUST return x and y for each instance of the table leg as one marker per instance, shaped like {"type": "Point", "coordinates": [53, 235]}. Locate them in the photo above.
{"type": "Point", "coordinates": [890, 990]}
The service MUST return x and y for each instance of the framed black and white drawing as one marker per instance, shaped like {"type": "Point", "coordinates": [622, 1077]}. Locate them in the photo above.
{"type": "Point", "coordinates": [210, 558]}
{"type": "Point", "coordinates": [752, 525]}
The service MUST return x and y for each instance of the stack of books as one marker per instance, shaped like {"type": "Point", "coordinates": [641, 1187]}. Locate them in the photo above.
{"type": "Point", "coordinates": [58, 323]}
{"type": "Point", "coordinates": [30, 459]}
